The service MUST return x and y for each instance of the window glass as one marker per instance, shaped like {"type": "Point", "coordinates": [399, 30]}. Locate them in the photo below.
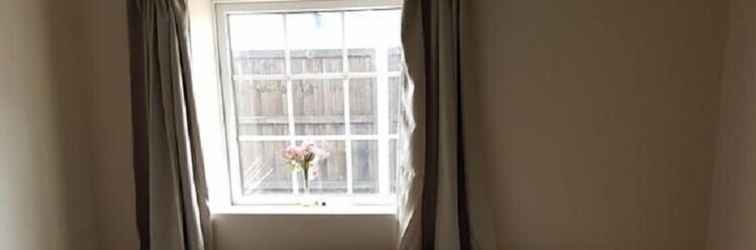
{"type": "Point", "coordinates": [365, 162]}
{"type": "Point", "coordinates": [367, 32]}
{"type": "Point", "coordinates": [253, 54]}
{"type": "Point", "coordinates": [261, 107]}
{"type": "Point", "coordinates": [363, 106]}
{"type": "Point", "coordinates": [330, 78]}
{"type": "Point", "coordinates": [316, 61]}
{"type": "Point", "coordinates": [319, 30]}
{"type": "Point", "coordinates": [318, 107]}
{"type": "Point", "coordinates": [261, 170]}
{"type": "Point", "coordinates": [396, 84]}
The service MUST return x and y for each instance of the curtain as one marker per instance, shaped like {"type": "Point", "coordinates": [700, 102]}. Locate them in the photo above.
{"type": "Point", "coordinates": [436, 210]}
{"type": "Point", "coordinates": [171, 195]}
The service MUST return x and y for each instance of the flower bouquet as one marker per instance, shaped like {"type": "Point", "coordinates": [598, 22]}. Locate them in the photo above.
{"type": "Point", "coordinates": [302, 159]}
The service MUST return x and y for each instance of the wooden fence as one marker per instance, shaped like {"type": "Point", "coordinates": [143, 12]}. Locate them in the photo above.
{"type": "Point", "coordinates": [318, 109]}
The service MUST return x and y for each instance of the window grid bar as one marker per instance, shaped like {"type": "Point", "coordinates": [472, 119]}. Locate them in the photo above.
{"type": "Point", "coordinates": [347, 106]}
{"type": "Point", "coordinates": [289, 98]}
{"type": "Point", "coordinates": [381, 57]}
{"type": "Point", "coordinates": [264, 138]}
{"type": "Point", "coordinates": [325, 76]}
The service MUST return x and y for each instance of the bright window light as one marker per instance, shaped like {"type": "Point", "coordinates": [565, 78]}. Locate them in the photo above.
{"type": "Point", "coordinates": [330, 75]}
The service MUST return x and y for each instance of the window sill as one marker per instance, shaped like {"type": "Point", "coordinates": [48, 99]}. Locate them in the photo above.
{"type": "Point", "coordinates": [302, 210]}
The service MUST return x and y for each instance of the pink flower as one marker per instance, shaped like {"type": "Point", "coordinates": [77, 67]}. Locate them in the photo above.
{"type": "Point", "coordinates": [290, 153]}
{"type": "Point", "coordinates": [303, 155]}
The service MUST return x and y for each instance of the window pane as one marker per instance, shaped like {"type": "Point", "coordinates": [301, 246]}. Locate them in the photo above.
{"type": "Point", "coordinates": [318, 107]}
{"type": "Point", "coordinates": [261, 107]}
{"type": "Point", "coordinates": [361, 60]}
{"type": "Point", "coordinates": [365, 166]}
{"type": "Point", "coordinates": [316, 61]}
{"type": "Point", "coordinates": [329, 173]}
{"type": "Point", "coordinates": [396, 84]}
{"type": "Point", "coordinates": [257, 44]}
{"type": "Point", "coordinates": [395, 62]}
{"type": "Point", "coordinates": [309, 31]}
{"type": "Point", "coordinates": [363, 106]}
{"type": "Point", "coordinates": [367, 31]}
{"type": "Point", "coordinates": [315, 40]}
{"type": "Point", "coordinates": [258, 62]}
{"type": "Point", "coordinates": [279, 63]}
{"type": "Point", "coordinates": [262, 169]}
{"type": "Point", "coordinates": [371, 29]}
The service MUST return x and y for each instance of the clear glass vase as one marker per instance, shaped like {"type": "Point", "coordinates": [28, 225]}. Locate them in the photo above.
{"type": "Point", "coordinates": [305, 196]}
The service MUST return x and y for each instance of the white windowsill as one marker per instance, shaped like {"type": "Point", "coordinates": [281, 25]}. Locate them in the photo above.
{"type": "Point", "coordinates": [302, 210]}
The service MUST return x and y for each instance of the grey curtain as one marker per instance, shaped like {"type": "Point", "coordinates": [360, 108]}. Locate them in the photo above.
{"type": "Point", "coordinates": [436, 210]}
{"type": "Point", "coordinates": [171, 194]}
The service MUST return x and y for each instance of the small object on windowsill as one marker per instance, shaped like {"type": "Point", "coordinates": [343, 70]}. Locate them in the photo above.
{"type": "Point", "coordinates": [302, 159]}
{"type": "Point", "coordinates": [312, 203]}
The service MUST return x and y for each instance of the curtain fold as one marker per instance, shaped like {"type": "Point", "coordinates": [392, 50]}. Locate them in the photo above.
{"type": "Point", "coordinates": [171, 194]}
{"type": "Point", "coordinates": [435, 208]}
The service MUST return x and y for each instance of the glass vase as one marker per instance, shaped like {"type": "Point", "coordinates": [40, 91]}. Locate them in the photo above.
{"type": "Point", "coordinates": [305, 196]}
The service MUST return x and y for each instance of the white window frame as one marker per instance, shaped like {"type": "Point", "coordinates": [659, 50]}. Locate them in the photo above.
{"type": "Point", "coordinates": [381, 203]}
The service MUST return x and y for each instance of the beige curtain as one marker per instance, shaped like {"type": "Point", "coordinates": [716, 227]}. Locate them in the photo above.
{"type": "Point", "coordinates": [437, 209]}
{"type": "Point", "coordinates": [171, 194]}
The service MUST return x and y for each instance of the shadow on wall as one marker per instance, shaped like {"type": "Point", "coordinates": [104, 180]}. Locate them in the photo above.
{"type": "Point", "coordinates": [71, 85]}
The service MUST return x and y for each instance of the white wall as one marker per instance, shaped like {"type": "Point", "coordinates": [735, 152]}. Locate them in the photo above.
{"type": "Point", "coordinates": [733, 216]}
{"type": "Point", "coordinates": [45, 171]}
{"type": "Point", "coordinates": [600, 120]}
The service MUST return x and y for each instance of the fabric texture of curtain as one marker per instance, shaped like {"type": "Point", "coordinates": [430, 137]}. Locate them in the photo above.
{"type": "Point", "coordinates": [171, 194]}
{"type": "Point", "coordinates": [436, 209]}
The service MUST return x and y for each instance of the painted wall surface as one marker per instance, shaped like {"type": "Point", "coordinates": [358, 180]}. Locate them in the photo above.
{"type": "Point", "coordinates": [305, 232]}
{"type": "Point", "coordinates": [600, 119]}
{"type": "Point", "coordinates": [111, 122]}
{"type": "Point", "coordinates": [46, 197]}
{"type": "Point", "coordinates": [733, 217]}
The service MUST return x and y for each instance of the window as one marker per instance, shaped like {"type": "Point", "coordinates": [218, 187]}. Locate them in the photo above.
{"type": "Point", "coordinates": [326, 72]}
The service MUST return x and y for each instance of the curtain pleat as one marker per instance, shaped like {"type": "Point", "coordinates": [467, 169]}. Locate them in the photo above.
{"type": "Point", "coordinates": [171, 194]}
{"type": "Point", "coordinates": [435, 209]}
